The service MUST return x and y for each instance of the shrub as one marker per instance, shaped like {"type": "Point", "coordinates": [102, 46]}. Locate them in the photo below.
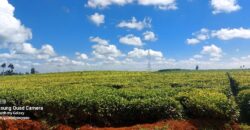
{"type": "Point", "coordinates": [202, 103]}
{"type": "Point", "coordinates": [105, 106]}
{"type": "Point", "coordinates": [244, 104]}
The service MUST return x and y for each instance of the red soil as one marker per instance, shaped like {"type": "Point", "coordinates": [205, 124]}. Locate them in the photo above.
{"type": "Point", "coordinates": [168, 124]}
{"type": "Point", "coordinates": [21, 125]}
{"type": "Point", "coordinates": [174, 125]}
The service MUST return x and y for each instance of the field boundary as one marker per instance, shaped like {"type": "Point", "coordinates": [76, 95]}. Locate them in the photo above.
{"type": "Point", "coordinates": [234, 85]}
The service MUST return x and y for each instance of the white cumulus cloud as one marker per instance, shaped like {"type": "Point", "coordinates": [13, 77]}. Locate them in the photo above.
{"type": "Point", "coordinates": [106, 3]}
{"type": "Point", "coordinates": [130, 39]}
{"type": "Point", "coordinates": [97, 19]}
{"type": "Point", "coordinates": [149, 36]}
{"type": "Point", "coordinates": [161, 4]}
{"type": "Point", "coordinates": [48, 50]}
{"type": "Point", "coordinates": [99, 40]}
{"type": "Point", "coordinates": [81, 56]}
{"type": "Point", "coordinates": [199, 36]}
{"type": "Point", "coordinates": [103, 50]}
{"type": "Point", "coordinates": [134, 24]}
{"type": "Point", "coordinates": [192, 41]}
{"type": "Point", "coordinates": [228, 34]}
{"type": "Point", "coordinates": [12, 31]}
{"type": "Point", "coordinates": [14, 37]}
{"type": "Point", "coordinates": [224, 6]}
{"type": "Point", "coordinates": [25, 48]}
{"type": "Point", "coordinates": [213, 51]}
{"type": "Point", "coordinates": [140, 53]}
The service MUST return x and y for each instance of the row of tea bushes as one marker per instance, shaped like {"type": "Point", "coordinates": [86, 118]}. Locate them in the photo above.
{"type": "Point", "coordinates": [106, 106]}
{"type": "Point", "coordinates": [243, 81]}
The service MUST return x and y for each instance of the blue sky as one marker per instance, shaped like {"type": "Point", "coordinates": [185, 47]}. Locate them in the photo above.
{"type": "Point", "coordinates": [176, 33]}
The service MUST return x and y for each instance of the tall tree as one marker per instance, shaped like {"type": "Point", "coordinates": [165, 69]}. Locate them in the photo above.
{"type": "Point", "coordinates": [32, 71]}
{"type": "Point", "coordinates": [11, 66]}
{"type": "Point", "coordinates": [197, 67]}
{"type": "Point", "coordinates": [3, 66]}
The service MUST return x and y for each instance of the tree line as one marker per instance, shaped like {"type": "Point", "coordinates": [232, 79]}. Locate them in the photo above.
{"type": "Point", "coordinates": [8, 69]}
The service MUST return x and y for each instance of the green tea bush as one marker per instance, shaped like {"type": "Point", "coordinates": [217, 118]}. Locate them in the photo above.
{"type": "Point", "coordinates": [100, 106]}
{"type": "Point", "coordinates": [243, 98]}
{"type": "Point", "coordinates": [106, 98]}
{"type": "Point", "coordinates": [244, 104]}
{"type": "Point", "coordinates": [202, 103]}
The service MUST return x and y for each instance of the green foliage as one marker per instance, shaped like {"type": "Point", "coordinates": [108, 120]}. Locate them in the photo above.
{"type": "Point", "coordinates": [208, 104]}
{"type": "Point", "coordinates": [122, 97]}
{"type": "Point", "coordinates": [243, 79]}
{"type": "Point", "coordinates": [244, 102]}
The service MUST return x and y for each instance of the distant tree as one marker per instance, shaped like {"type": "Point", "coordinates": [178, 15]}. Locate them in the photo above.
{"type": "Point", "coordinates": [32, 71]}
{"type": "Point", "coordinates": [8, 72]}
{"type": "Point", "coordinates": [3, 66]}
{"type": "Point", "coordinates": [11, 66]}
{"type": "Point", "coordinates": [197, 67]}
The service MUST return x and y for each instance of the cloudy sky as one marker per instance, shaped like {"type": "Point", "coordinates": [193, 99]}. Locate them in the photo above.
{"type": "Point", "coordinates": [66, 35]}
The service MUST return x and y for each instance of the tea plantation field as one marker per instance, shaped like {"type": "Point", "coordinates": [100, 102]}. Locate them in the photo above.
{"type": "Point", "coordinates": [120, 98]}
